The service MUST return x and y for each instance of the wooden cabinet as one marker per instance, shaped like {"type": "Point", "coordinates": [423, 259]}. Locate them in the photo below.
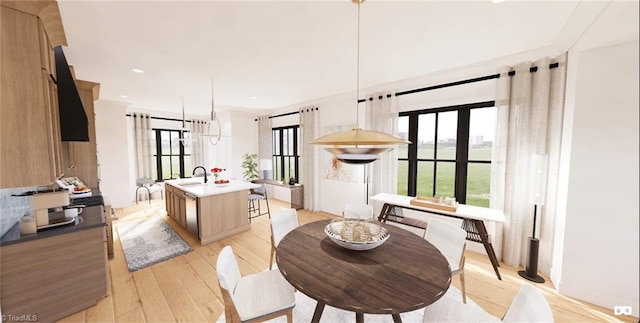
{"type": "Point", "coordinates": [296, 192]}
{"type": "Point", "coordinates": [182, 210]}
{"type": "Point", "coordinates": [26, 155]}
{"type": "Point", "coordinates": [168, 199]}
{"type": "Point", "coordinates": [297, 197]}
{"type": "Point", "coordinates": [31, 150]}
{"type": "Point", "coordinates": [222, 215]}
{"type": "Point", "coordinates": [54, 277]}
{"type": "Point", "coordinates": [216, 216]}
{"type": "Point", "coordinates": [82, 157]}
{"type": "Point", "coordinates": [108, 228]}
{"type": "Point", "coordinates": [176, 204]}
{"type": "Point", "coordinates": [172, 196]}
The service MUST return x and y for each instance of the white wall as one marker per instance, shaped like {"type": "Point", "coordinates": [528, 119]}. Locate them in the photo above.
{"type": "Point", "coordinates": [244, 134]}
{"type": "Point", "coordinates": [240, 136]}
{"type": "Point", "coordinates": [219, 154]}
{"type": "Point", "coordinates": [596, 238]}
{"type": "Point", "coordinates": [599, 260]}
{"type": "Point", "coordinates": [113, 152]}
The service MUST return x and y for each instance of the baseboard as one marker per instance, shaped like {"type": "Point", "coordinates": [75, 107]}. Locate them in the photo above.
{"type": "Point", "coordinates": [554, 277]}
{"type": "Point", "coordinates": [595, 297]}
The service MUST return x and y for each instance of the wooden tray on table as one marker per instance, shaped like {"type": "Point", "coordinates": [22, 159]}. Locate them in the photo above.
{"type": "Point", "coordinates": [433, 204]}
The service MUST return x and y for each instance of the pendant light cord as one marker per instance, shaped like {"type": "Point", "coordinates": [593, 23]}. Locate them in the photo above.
{"type": "Point", "coordinates": [183, 114]}
{"type": "Point", "coordinates": [213, 110]}
{"type": "Point", "coordinates": [358, 70]}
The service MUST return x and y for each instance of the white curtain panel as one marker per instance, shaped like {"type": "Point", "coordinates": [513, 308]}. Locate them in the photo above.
{"type": "Point", "coordinates": [309, 164]}
{"type": "Point", "coordinates": [143, 140]}
{"type": "Point", "coordinates": [198, 128]}
{"type": "Point", "coordinates": [530, 111]}
{"type": "Point", "coordinates": [264, 138]}
{"type": "Point", "coordinates": [382, 115]}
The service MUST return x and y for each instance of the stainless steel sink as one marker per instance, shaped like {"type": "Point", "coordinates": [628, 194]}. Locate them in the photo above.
{"type": "Point", "coordinates": [191, 184]}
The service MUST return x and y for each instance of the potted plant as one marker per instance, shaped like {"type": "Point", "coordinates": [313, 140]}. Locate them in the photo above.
{"type": "Point", "coordinates": [250, 166]}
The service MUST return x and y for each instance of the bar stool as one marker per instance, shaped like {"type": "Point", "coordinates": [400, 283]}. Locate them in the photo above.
{"type": "Point", "coordinates": [256, 195]}
{"type": "Point", "coordinates": [151, 186]}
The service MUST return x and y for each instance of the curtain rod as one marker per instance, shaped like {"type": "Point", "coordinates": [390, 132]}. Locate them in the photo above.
{"type": "Point", "coordinates": [161, 118]}
{"type": "Point", "coordinates": [284, 114]}
{"type": "Point", "coordinates": [473, 80]}
{"type": "Point", "coordinates": [428, 88]}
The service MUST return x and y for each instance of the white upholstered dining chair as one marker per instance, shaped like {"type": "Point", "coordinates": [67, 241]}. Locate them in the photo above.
{"type": "Point", "coordinates": [252, 298]}
{"type": "Point", "coordinates": [282, 222]}
{"type": "Point", "coordinates": [528, 306]}
{"type": "Point", "coordinates": [357, 210]}
{"type": "Point", "coordinates": [451, 241]}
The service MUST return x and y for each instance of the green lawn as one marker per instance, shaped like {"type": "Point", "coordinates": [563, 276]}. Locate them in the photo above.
{"type": "Point", "coordinates": [478, 175]}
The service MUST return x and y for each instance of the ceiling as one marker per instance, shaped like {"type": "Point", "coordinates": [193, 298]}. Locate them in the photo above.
{"type": "Point", "coordinates": [268, 55]}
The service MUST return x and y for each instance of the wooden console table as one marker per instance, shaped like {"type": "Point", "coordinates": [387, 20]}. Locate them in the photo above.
{"type": "Point", "coordinates": [297, 191]}
{"type": "Point", "coordinates": [472, 217]}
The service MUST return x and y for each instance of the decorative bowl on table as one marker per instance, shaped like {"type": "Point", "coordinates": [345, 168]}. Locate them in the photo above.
{"type": "Point", "coordinates": [356, 234]}
{"type": "Point", "coordinates": [221, 182]}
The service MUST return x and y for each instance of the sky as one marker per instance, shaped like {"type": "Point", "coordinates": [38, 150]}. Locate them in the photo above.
{"type": "Point", "coordinates": [482, 124]}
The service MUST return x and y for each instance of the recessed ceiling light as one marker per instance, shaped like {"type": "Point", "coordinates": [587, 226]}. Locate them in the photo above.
{"type": "Point", "coordinates": [137, 70]}
{"type": "Point", "coordinates": [254, 97]}
{"type": "Point", "coordinates": [123, 96]}
{"type": "Point", "coordinates": [497, 1]}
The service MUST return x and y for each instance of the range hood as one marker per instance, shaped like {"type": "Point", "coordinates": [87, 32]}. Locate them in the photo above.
{"type": "Point", "coordinates": [74, 125]}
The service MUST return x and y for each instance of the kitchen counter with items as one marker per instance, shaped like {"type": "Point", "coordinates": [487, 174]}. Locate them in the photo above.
{"type": "Point", "coordinates": [91, 216]}
{"type": "Point", "coordinates": [62, 268]}
{"type": "Point", "coordinates": [197, 187]}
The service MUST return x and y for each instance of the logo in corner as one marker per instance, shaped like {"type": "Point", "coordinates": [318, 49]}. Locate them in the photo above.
{"type": "Point", "coordinates": [622, 310]}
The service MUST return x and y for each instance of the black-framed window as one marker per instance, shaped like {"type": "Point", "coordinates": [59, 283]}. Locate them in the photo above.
{"type": "Point", "coordinates": [286, 148]}
{"type": "Point", "coordinates": [449, 154]}
{"type": "Point", "coordinates": [171, 155]}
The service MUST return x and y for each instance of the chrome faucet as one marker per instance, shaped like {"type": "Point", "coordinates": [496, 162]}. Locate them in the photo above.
{"type": "Point", "coordinates": [203, 169]}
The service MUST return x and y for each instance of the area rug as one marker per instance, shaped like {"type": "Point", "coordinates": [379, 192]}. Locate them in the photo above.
{"type": "Point", "coordinates": [149, 241]}
{"type": "Point", "coordinates": [303, 312]}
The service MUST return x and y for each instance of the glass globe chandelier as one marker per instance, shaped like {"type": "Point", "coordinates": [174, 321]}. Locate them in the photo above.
{"type": "Point", "coordinates": [214, 129]}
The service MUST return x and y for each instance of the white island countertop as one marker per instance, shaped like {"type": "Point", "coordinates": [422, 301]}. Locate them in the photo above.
{"type": "Point", "coordinates": [197, 187]}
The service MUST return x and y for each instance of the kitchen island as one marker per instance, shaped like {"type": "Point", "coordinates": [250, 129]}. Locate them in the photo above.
{"type": "Point", "coordinates": [209, 211]}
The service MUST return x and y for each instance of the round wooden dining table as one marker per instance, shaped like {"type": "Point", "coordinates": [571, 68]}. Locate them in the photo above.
{"type": "Point", "coordinates": [403, 274]}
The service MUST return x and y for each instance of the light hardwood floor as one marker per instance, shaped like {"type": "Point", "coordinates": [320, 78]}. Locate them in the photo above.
{"type": "Point", "coordinates": [185, 288]}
